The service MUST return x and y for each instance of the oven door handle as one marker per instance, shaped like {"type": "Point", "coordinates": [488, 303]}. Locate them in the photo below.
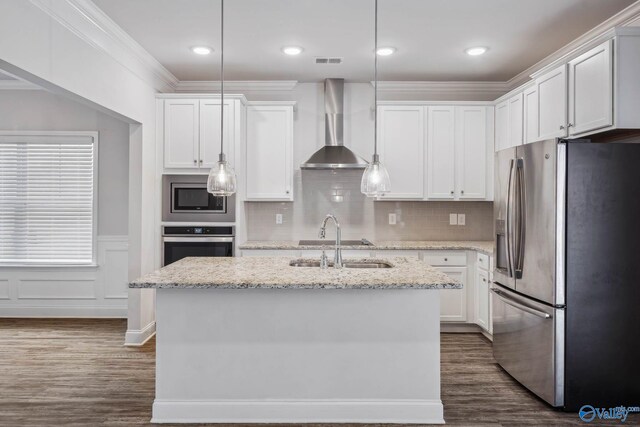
{"type": "Point", "coordinates": [199, 239]}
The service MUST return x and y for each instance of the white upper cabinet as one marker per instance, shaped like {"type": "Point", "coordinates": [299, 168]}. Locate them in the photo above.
{"type": "Point", "coordinates": [209, 147]}
{"type": "Point", "coordinates": [502, 126]}
{"type": "Point", "coordinates": [471, 145]}
{"type": "Point", "coordinates": [401, 136]}
{"type": "Point", "coordinates": [181, 133]}
{"type": "Point", "coordinates": [269, 153]}
{"type": "Point", "coordinates": [441, 152]}
{"type": "Point", "coordinates": [552, 104]}
{"type": "Point", "coordinates": [591, 90]}
{"type": "Point", "coordinates": [191, 132]}
{"type": "Point", "coordinates": [530, 120]}
{"type": "Point", "coordinates": [515, 120]}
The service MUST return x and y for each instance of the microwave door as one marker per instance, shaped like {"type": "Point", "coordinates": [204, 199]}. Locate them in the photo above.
{"type": "Point", "coordinates": [503, 214]}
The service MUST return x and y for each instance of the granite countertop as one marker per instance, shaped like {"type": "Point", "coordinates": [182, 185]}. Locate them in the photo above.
{"type": "Point", "coordinates": [276, 273]}
{"type": "Point", "coordinates": [484, 246]}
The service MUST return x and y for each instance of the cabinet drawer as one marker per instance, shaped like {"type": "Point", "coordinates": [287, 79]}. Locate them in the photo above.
{"type": "Point", "coordinates": [483, 261]}
{"type": "Point", "coordinates": [445, 258]}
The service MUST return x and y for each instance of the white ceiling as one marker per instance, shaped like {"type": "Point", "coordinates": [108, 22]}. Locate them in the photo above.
{"type": "Point", "coordinates": [430, 36]}
{"type": "Point", "coordinates": [5, 76]}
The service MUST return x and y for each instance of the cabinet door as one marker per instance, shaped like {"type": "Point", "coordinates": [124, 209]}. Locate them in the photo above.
{"type": "Point", "coordinates": [440, 153]}
{"type": "Point", "coordinates": [552, 104]}
{"type": "Point", "coordinates": [515, 120]}
{"type": "Point", "coordinates": [402, 142]}
{"type": "Point", "coordinates": [482, 299]}
{"type": "Point", "coordinates": [269, 153]}
{"type": "Point", "coordinates": [209, 148]}
{"type": "Point", "coordinates": [530, 101]}
{"type": "Point", "coordinates": [502, 126]}
{"type": "Point", "coordinates": [591, 90]}
{"type": "Point", "coordinates": [453, 302]}
{"type": "Point", "coordinates": [181, 133]}
{"type": "Point", "coordinates": [471, 145]}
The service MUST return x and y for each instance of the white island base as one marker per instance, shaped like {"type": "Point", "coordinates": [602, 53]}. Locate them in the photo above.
{"type": "Point", "coordinates": [298, 356]}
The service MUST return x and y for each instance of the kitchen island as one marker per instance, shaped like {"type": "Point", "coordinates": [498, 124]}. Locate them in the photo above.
{"type": "Point", "coordinates": [257, 340]}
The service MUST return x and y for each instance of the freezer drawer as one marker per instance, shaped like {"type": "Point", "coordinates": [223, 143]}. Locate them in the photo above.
{"type": "Point", "coordinates": [528, 342]}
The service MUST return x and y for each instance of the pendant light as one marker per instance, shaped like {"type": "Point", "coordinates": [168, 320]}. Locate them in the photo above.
{"type": "Point", "coordinates": [222, 177]}
{"type": "Point", "coordinates": [375, 179]}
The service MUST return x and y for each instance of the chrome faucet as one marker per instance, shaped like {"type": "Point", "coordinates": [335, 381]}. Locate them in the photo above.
{"type": "Point", "coordinates": [337, 263]}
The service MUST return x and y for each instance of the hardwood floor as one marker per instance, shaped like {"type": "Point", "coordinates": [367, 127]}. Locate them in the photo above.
{"type": "Point", "coordinates": [77, 373]}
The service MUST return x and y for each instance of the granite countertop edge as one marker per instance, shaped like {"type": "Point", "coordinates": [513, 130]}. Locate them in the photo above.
{"type": "Point", "coordinates": [175, 285]}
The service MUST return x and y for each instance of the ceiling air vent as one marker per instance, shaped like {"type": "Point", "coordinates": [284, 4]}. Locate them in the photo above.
{"type": "Point", "coordinates": [328, 60]}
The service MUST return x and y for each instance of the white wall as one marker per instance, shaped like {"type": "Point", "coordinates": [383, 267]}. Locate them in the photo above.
{"type": "Point", "coordinates": [40, 41]}
{"type": "Point", "coordinates": [24, 110]}
{"type": "Point", "coordinates": [74, 292]}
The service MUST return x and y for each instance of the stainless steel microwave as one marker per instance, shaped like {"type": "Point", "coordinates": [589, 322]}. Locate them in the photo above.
{"type": "Point", "coordinates": [185, 199]}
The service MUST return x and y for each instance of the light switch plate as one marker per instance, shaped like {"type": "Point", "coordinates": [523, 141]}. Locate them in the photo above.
{"type": "Point", "coordinates": [461, 219]}
{"type": "Point", "coordinates": [392, 219]}
{"type": "Point", "coordinates": [278, 219]}
{"type": "Point", "coordinates": [453, 219]}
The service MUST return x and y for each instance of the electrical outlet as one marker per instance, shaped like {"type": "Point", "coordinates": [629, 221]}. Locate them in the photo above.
{"type": "Point", "coordinates": [461, 219]}
{"type": "Point", "coordinates": [392, 219]}
{"type": "Point", "coordinates": [278, 219]}
{"type": "Point", "coordinates": [453, 219]}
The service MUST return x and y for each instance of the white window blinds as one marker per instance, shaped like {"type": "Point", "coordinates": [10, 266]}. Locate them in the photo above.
{"type": "Point", "coordinates": [47, 209]}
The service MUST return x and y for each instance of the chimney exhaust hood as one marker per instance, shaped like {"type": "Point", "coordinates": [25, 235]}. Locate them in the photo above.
{"type": "Point", "coordinates": [334, 155]}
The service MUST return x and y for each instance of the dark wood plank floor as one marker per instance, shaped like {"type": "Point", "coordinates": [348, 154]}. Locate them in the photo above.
{"type": "Point", "coordinates": [77, 373]}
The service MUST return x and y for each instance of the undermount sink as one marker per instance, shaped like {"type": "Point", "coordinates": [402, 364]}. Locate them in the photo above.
{"type": "Point", "coordinates": [361, 242]}
{"type": "Point", "coordinates": [348, 264]}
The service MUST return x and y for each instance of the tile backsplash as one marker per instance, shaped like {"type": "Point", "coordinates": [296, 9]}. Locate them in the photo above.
{"type": "Point", "coordinates": [318, 193]}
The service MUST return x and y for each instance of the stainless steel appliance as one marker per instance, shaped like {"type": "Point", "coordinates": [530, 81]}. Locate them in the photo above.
{"type": "Point", "coordinates": [182, 242]}
{"type": "Point", "coordinates": [567, 278]}
{"type": "Point", "coordinates": [185, 199]}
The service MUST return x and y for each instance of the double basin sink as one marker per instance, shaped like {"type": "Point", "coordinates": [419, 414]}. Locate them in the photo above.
{"type": "Point", "coordinates": [346, 264]}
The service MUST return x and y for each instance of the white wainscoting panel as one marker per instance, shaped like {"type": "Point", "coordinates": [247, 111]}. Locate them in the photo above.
{"type": "Point", "coordinates": [70, 291]}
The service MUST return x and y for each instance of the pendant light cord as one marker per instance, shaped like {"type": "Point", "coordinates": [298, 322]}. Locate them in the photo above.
{"type": "Point", "coordinates": [222, 158]}
{"type": "Point", "coordinates": [375, 87]}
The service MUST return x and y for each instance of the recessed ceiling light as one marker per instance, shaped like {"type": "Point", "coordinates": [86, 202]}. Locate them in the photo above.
{"type": "Point", "coordinates": [292, 50]}
{"type": "Point", "coordinates": [201, 50]}
{"type": "Point", "coordinates": [475, 51]}
{"type": "Point", "coordinates": [386, 51]}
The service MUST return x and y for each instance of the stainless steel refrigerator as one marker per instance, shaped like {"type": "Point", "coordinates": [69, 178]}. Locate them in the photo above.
{"type": "Point", "coordinates": [566, 291]}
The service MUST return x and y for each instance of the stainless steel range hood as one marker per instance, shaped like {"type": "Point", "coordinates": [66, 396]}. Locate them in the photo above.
{"type": "Point", "coordinates": [334, 155]}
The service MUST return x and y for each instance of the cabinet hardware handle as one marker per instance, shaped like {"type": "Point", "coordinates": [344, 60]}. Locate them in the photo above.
{"type": "Point", "coordinates": [569, 125]}
{"type": "Point", "coordinates": [561, 127]}
{"type": "Point", "coordinates": [200, 161]}
{"type": "Point", "coordinates": [484, 280]}
{"type": "Point", "coordinates": [461, 191]}
{"type": "Point", "coordinates": [451, 191]}
{"type": "Point", "coordinates": [287, 191]}
{"type": "Point", "coordinates": [195, 162]}
{"type": "Point", "coordinates": [446, 259]}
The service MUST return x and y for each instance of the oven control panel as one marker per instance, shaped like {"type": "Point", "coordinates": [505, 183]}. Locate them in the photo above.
{"type": "Point", "coordinates": [197, 231]}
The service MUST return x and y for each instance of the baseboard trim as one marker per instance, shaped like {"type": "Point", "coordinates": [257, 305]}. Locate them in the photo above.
{"type": "Point", "coordinates": [64, 312]}
{"type": "Point", "coordinates": [299, 411]}
{"type": "Point", "coordinates": [139, 337]}
{"type": "Point", "coordinates": [459, 328]}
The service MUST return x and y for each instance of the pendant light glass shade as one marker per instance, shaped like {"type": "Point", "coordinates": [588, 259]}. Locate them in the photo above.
{"type": "Point", "coordinates": [222, 179]}
{"type": "Point", "coordinates": [375, 179]}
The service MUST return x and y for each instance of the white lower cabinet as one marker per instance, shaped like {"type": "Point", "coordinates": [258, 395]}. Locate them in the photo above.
{"type": "Point", "coordinates": [453, 302]}
{"type": "Point", "coordinates": [482, 299]}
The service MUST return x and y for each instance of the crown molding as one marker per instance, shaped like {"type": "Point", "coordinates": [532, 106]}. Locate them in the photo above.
{"type": "Point", "coordinates": [591, 38]}
{"type": "Point", "coordinates": [494, 89]}
{"type": "Point", "coordinates": [17, 85]}
{"type": "Point", "coordinates": [237, 86]}
{"type": "Point", "coordinates": [88, 22]}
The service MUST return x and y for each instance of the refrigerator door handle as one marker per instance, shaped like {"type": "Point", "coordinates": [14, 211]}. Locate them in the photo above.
{"type": "Point", "coordinates": [507, 300]}
{"type": "Point", "coordinates": [508, 223]}
{"type": "Point", "coordinates": [521, 219]}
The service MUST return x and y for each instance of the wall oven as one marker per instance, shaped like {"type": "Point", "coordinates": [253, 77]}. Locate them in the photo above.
{"type": "Point", "coordinates": [199, 241]}
{"type": "Point", "coordinates": [185, 199]}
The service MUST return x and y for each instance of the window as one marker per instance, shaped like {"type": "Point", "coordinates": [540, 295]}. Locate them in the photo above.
{"type": "Point", "coordinates": [47, 198]}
